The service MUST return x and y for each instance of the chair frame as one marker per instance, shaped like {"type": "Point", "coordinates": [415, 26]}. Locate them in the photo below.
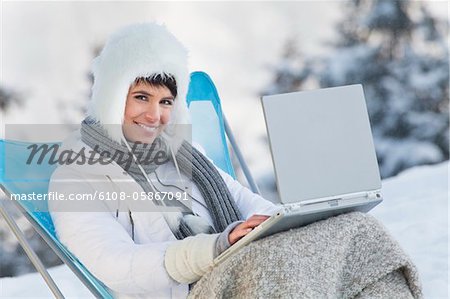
{"type": "Point", "coordinates": [91, 285]}
{"type": "Point", "coordinates": [35, 260]}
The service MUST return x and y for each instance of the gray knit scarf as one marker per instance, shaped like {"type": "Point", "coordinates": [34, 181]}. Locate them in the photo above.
{"type": "Point", "coordinates": [221, 206]}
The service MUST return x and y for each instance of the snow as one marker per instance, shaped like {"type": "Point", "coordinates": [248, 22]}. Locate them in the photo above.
{"type": "Point", "coordinates": [234, 43]}
{"type": "Point", "coordinates": [70, 286]}
{"type": "Point", "coordinates": [407, 153]}
{"type": "Point", "coordinates": [414, 211]}
{"type": "Point", "coordinates": [384, 12]}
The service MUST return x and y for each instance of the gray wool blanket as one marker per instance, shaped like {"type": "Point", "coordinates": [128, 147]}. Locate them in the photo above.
{"type": "Point", "coordinates": [348, 256]}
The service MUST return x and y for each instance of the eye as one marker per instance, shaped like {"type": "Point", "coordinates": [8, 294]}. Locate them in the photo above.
{"type": "Point", "coordinates": [141, 97]}
{"type": "Point", "coordinates": [168, 102]}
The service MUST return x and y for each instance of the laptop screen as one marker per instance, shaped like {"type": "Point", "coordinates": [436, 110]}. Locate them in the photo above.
{"type": "Point", "coordinates": [321, 143]}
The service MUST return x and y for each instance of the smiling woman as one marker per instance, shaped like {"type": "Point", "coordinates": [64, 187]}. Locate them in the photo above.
{"type": "Point", "coordinates": [147, 248]}
{"type": "Point", "coordinates": [148, 108]}
{"type": "Point", "coordinates": [158, 248]}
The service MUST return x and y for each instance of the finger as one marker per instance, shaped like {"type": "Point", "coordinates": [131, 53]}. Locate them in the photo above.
{"type": "Point", "coordinates": [259, 218]}
{"type": "Point", "coordinates": [243, 227]}
{"type": "Point", "coordinates": [245, 231]}
{"type": "Point", "coordinates": [239, 233]}
{"type": "Point", "coordinates": [252, 223]}
{"type": "Point", "coordinates": [256, 216]}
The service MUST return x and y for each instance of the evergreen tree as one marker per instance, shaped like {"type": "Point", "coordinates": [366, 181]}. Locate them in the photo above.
{"type": "Point", "coordinates": [13, 260]}
{"type": "Point", "coordinates": [8, 97]}
{"type": "Point", "coordinates": [291, 72]}
{"type": "Point", "coordinates": [398, 51]}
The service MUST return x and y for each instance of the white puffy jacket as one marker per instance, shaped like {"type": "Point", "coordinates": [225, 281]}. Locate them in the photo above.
{"type": "Point", "coordinates": [102, 239]}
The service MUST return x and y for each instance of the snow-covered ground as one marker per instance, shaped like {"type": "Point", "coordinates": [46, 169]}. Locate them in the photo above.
{"type": "Point", "coordinates": [415, 211]}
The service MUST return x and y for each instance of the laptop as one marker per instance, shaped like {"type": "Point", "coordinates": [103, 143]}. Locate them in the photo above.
{"type": "Point", "coordinates": [323, 156]}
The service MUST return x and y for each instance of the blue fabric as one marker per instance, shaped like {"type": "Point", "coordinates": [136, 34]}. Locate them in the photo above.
{"type": "Point", "coordinates": [208, 128]}
{"type": "Point", "coordinates": [18, 177]}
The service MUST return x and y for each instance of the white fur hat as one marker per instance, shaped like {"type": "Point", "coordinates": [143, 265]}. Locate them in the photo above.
{"type": "Point", "coordinates": [138, 50]}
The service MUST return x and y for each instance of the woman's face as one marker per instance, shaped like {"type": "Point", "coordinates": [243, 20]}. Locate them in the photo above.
{"type": "Point", "coordinates": [147, 112]}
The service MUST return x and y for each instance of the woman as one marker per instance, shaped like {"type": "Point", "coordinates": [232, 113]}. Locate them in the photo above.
{"type": "Point", "coordinates": [137, 108]}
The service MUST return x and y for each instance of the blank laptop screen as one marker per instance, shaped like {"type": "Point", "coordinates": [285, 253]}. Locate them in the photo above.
{"type": "Point", "coordinates": [321, 143]}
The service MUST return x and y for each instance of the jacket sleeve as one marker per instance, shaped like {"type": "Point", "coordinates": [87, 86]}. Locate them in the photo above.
{"type": "Point", "coordinates": [103, 245]}
{"type": "Point", "coordinates": [249, 203]}
{"type": "Point", "coordinates": [187, 260]}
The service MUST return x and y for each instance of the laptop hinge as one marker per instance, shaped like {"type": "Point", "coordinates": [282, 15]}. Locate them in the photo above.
{"type": "Point", "coordinates": [367, 194]}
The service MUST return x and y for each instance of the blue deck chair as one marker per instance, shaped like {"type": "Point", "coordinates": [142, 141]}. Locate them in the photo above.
{"type": "Point", "coordinates": [209, 129]}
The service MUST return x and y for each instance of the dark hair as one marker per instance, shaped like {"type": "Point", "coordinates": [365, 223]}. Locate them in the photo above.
{"type": "Point", "coordinates": [165, 80]}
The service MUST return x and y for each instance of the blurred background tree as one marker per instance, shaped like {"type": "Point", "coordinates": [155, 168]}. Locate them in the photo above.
{"type": "Point", "coordinates": [13, 260]}
{"type": "Point", "coordinates": [7, 98]}
{"type": "Point", "coordinates": [398, 51]}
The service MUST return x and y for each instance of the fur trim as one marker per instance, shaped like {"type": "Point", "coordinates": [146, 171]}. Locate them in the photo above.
{"type": "Point", "coordinates": [173, 219]}
{"type": "Point", "coordinates": [138, 50]}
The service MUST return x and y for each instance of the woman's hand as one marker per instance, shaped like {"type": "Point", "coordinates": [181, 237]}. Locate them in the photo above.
{"type": "Point", "coordinates": [245, 227]}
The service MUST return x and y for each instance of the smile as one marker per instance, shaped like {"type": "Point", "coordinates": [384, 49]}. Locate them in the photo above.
{"type": "Point", "coordinates": [147, 128]}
